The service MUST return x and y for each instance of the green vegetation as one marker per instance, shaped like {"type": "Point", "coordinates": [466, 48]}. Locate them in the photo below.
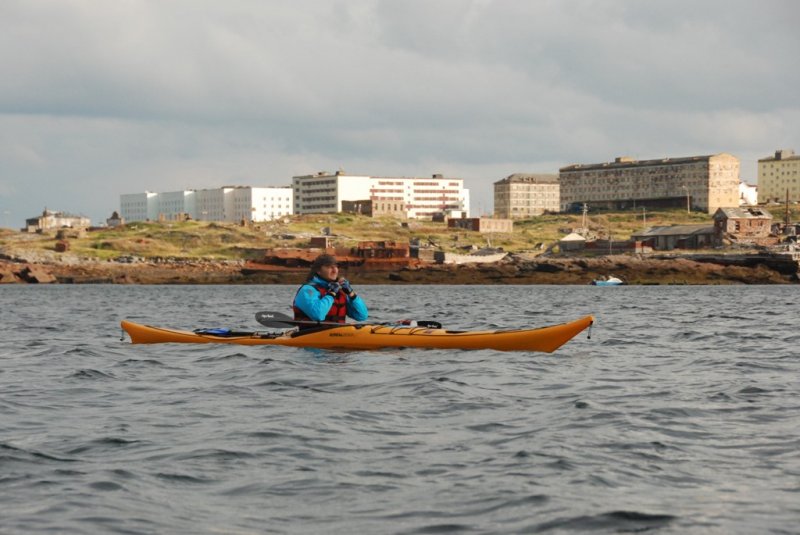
{"type": "Point", "coordinates": [221, 241]}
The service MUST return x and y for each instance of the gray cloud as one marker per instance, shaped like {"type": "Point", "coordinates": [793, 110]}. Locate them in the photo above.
{"type": "Point", "coordinates": [99, 99]}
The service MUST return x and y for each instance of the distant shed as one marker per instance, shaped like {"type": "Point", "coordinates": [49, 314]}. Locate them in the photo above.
{"type": "Point", "coordinates": [482, 224]}
{"type": "Point", "coordinates": [666, 238]}
{"type": "Point", "coordinates": [572, 242]}
{"type": "Point", "coordinates": [746, 222]}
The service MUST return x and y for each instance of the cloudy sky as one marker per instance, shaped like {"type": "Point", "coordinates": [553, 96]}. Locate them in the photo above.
{"type": "Point", "coordinates": [100, 98]}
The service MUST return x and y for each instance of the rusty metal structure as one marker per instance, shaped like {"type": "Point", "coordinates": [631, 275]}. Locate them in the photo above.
{"type": "Point", "coordinates": [366, 256]}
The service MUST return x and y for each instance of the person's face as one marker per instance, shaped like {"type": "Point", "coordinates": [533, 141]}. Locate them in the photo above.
{"type": "Point", "coordinates": [329, 273]}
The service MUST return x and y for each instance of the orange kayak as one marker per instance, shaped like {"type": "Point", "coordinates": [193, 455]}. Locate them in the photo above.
{"type": "Point", "coordinates": [368, 336]}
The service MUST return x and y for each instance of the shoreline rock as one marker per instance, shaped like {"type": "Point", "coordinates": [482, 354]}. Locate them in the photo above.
{"type": "Point", "coordinates": [634, 270]}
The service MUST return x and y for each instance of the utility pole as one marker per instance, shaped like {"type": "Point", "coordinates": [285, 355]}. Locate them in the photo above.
{"type": "Point", "coordinates": [688, 205]}
{"type": "Point", "coordinates": [787, 219]}
{"type": "Point", "coordinates": [644, 217]}
{"type": "Point", "coordinates": [583, 222]}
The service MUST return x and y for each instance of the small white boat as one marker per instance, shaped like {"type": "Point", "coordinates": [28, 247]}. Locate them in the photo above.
{"type": "Point", "coordinates": [611, 280]}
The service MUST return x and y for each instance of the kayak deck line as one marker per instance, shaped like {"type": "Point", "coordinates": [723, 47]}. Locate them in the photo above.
{"type": "Point", "coordinates": [373, 336]}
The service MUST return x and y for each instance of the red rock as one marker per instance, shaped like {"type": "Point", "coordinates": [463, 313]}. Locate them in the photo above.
{"type": "Point", "coordinates": [7, 276]}
{"type": "Point", "coordinates": [37, 274]}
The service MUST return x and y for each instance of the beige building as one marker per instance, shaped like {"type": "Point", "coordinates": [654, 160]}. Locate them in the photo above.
{"type": "Point", "coordinates": [51, 220]}
{"type": "Point", "coordinates": [521, 195]}
{"type": "Point", "coordinates": [700, 182]}
{"type": "Point", "coordinates": [778, 176]}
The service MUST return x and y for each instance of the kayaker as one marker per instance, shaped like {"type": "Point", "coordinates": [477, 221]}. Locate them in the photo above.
{"type": "Point", "coordinates": [327, 297]}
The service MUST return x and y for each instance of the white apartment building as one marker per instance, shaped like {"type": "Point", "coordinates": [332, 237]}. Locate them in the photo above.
{"type": "Point", "coordinates": [523, 195]}
{"type": "Point", "coordinates": [748, 194]}
{"type": "Point", "coordinates": [410, 197]}
{"type": "Point", "coordinates": [230, 204]}
{"type": "Point", "coordinates": [175, 205]}
{"type": "Point", "coordinates": [420, 197]}
{"type": "Point", "coordinates": [261, 204]}
{"type": "Point", "coordinates": [139, 206]}
{"type": "Point", "coordinates": [214, 204]}
{"type": "Point", "coordinates": [323, 193]}
{"type": "Point", "coordinates": [779, 176]}
{"type": "Point", "coordinates": [701, 182]}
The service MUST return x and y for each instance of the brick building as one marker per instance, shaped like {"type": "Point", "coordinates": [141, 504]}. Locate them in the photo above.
{"type": "Point", "coordinates": [742, 223]}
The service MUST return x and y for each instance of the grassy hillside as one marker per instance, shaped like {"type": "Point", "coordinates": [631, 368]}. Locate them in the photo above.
{"type": "Point", "coordinates": [228, 241]}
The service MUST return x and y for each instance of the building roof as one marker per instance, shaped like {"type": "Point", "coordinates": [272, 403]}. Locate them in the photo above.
{"type": "Point", "coordinates": [781, 155]}
{"type": "Point", "coordinates": [64, 215]}
{"type": "Point", "coordinates": [744, 212]}
{"type": "Point", "coordinates": [573, 236]}
{"type": "Point", "coordinates": [326, 174]}
{"type": "Point", "coordinates": [540, 178]}
{"type": "Point", "coordinates": [674, 230]}
{"type": "Point", "coordinates": [417, 178]}
{"type": "Point", "coordinates": [627, 162]}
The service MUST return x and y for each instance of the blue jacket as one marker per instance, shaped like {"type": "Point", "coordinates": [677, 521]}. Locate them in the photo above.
{"type": "Point", "coordinates": [316, 306]}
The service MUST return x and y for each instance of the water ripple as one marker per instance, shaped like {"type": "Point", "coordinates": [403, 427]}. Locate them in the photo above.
{"type": "Point", "coordinates": [680, 415]}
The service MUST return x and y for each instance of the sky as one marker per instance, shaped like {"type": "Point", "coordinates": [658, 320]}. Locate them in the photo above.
{"type": "Point", "coordinates": [98, 99]}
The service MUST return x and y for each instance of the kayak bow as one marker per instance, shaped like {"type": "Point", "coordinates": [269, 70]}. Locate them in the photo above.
{"type": "Point", "coordinates": [362, 336]}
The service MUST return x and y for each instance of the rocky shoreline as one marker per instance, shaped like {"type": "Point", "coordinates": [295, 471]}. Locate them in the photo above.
{"type": "Point", "coordinates": [515, 269]}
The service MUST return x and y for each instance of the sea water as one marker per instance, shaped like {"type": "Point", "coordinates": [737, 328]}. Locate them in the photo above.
{"type": "Point", "coordinates": [681, 414]}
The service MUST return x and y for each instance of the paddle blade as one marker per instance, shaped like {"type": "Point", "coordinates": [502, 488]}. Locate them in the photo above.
{"type": "Point", "coordinates": [275, 319]}
{"type": "Point", "coordinates": [428, 324]}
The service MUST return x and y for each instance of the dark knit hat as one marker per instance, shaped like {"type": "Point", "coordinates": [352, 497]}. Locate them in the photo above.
{"type": "Point", "coordinates": [323, 260]}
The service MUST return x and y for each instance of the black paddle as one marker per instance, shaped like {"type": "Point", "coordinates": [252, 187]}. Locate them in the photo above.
{"type": "Point", "coordinates": [276, 319]}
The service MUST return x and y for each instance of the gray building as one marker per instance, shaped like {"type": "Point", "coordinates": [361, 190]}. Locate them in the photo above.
{"type": "Point", "coordinates": [523, 195]}
{"type": "Point", "coordinates": [695, 182]}
{"type": "Point", "coordinates": [666, 238]}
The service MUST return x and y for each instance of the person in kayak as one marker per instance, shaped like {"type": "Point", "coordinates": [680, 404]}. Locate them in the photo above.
{"type": "Point", "coordinates": [327, 297]}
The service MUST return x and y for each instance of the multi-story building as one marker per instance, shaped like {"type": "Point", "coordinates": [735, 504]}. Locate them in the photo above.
{"type": "Point", "coordinates": [139, 206]}
{"type": "Point", "coordinates": [150, 206]}
{"type": "Point", "coordinates": [421, 197]}
{"type": "Point", "coordinates": [231, 204]}
{"type": "Point", "coordinates": [176, 205]}
{"type": "Point", "coordinates": [779, 176]}
{"type": "Point", "coordinates": [390, 197]}
{"type": "Point", "coordinates": [523, 195]}
{"type": "Point", "coordinates": [700, 182]}
{"type": "Point", "coordinates": [261, 204]}
{"type": "Point", "coordinates": [213, 204]}
{"type": "Point", "coordinates": [323, 193]}
{"type": "Point", "coordinates": [408, 197]}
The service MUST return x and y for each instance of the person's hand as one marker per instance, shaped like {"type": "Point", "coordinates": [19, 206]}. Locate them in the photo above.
{"type": "Point", "coordinates": [333, 288]}
{"type": "Point", "coordinates": [346, 286]}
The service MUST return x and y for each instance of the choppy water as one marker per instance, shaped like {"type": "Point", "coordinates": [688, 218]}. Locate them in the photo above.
{"type": "Point", "coordinates": [680, 415]}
